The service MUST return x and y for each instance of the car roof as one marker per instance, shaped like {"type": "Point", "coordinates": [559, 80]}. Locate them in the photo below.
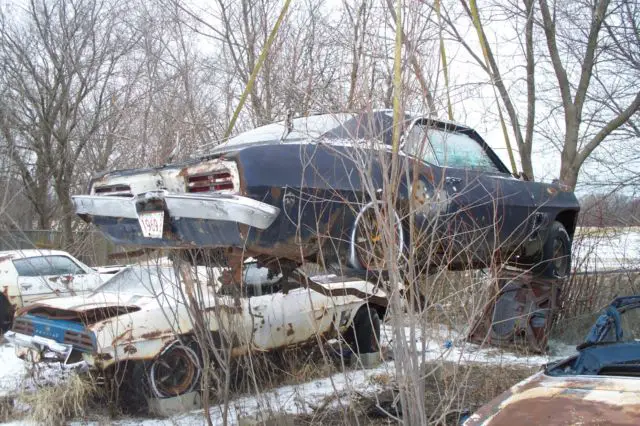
{"type": "Point", "coordinates": [22, 254]}
{"type": "Point", "coordinates": [315, 125]}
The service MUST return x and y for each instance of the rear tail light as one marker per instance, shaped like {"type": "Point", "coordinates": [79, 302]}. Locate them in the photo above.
{"type": "Point", "coordinates": [23, 326]}
{"type": "Point", "coordinates": [80, 340]}
{"type": "Point", "coordinates": [214, 181]}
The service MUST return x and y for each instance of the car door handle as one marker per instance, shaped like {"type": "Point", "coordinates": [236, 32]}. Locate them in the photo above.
{"type": "Point", "coordinates": [452, 179]}
{"type": "Point", "coordinates": [53, 279]}
{"type": "Point", "coordinates": [26, 286]}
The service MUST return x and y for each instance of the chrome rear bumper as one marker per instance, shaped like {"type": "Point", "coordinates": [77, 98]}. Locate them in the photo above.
{"type": "Point", "coordinates": [191, 220]}
{"type": "Point", "coordinates": [223, 207]}
{"type": "Point", "coordinates": [40, 345]}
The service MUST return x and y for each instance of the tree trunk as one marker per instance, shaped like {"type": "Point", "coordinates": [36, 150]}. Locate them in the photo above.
{"type": "Point", "coordinates": [525, 161]}
{"type": "Point", "coordinates": [63, 192]}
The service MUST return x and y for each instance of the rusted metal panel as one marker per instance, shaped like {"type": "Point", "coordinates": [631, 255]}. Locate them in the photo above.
{"type": "Point", "coordinates": [519, 312]}
{"type": "Point", "coordinates": [584, 400]}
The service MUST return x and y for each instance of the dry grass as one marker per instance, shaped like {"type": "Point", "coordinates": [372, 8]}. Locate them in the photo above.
{"type": "Point", "coordinates": [6, 409]}
{"type": "Point", "coordinates": [452, 390]}
{"type": "Point", "coordinates": [54, 405]}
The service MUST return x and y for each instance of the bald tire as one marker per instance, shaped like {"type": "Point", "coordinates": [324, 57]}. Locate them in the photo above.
{"type": "Point", "coordinates": [363, 335]}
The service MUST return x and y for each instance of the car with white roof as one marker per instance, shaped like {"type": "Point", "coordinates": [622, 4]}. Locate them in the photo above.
{"type": "Point", "coordinates": [30, 275]}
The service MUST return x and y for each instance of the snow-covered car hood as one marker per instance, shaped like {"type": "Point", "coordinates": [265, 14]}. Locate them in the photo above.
{"type": "Point", "coordinates": [83, 303]}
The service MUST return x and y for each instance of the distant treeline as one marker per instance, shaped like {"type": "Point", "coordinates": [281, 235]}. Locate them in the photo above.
{"type": "Point", "coordinates": [609, 210]}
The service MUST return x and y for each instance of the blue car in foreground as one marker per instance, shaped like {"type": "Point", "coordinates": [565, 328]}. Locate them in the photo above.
{"type": "Point", "coordinates": [599, 385]}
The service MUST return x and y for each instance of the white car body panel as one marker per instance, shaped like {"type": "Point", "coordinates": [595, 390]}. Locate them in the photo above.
{"type": "Point", "coordinates": [25, 290]}
{"type": "Point", "coordinates": [261, 323]}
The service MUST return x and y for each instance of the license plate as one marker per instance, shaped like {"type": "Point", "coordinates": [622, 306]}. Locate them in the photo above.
{"type": "Point", "coordinates": [151, 224]}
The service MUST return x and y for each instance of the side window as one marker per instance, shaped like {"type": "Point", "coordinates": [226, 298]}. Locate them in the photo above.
{"type": "Point", "coordinates": [447, 149]}
{"type": "Point", "coordinates": [62, 265]}
{"type": "Point", "coordinates": [461, 151]}
{"type": "Point", "coordinates": [33, 267]}
{"type": "Point", "coordinates": [631, 325]}
{"type": "Point", "coordinates": [417, 145]}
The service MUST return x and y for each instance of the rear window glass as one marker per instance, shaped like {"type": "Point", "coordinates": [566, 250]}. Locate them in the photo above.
{"type": "Point", "coordinates": [141, 280]}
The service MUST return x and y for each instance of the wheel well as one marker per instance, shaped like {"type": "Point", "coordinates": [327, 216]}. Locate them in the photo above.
{"type": "Point", "coordinates": [382, 310]}
{"type": "Point", "coordinates": [568, 219]}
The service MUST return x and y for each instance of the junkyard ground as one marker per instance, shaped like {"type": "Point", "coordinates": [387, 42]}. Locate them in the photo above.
{"type": "Point", "coordinates": [460, 373]}
{"type": "Point", "coordinates": [311, 390]}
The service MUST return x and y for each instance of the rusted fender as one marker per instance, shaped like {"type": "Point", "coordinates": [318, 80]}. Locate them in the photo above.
{"type": "Point", "coordinates": [569, 400]}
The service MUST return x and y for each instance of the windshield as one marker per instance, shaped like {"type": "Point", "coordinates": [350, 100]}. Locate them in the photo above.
{"type": "Point", "coordinates": [141, 280]}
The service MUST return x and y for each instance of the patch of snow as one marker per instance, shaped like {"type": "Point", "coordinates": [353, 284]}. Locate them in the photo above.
{"type": "Point", "coordinates": [13, 370]}
{"type": "Point", "coordinates": [601, 249]}
{"type": "Point", "coordinates": [16, 377]}
{"type": "Point", "coordinates": [438, 343]}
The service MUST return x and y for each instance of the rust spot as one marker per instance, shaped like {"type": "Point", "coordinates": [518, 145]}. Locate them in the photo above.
{"type": "Point", "coordinates": [126, 336]}
{"type": "Point", "coordinates": [290, 329]}
{"type": "Point", "coordinates": [276, 192]}
{"type": "Point", "coordinates": [130, 349]}
{"type": "Point", "coordinates": [552, 191]}
{"type": "Point", "coordinates": [154, 334]}
{"type": "Point", "coordinates": [229, 310]}
{"type": "Point", "coordinates": [565, 409]}
{"type": "Point", "coordinates": [322, 314]}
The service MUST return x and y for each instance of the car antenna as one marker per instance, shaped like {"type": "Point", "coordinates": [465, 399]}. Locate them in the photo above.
{"type": "Point", "coordinates": [288, 123]}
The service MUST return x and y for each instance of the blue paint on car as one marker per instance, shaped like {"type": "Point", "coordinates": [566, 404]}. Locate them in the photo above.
{"type": "Point", "coordinates": [57, 329]}
{"type": "Point", "coordinates": [608, 348]}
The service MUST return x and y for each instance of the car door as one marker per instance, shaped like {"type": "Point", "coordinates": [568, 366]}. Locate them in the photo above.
{"type": "Point", "coordinates": [42, 277]}
{"type": "Point", "coordinates": [282, 319]}
{"type": "Point", "coordinates": [480, 206]}
{"type": "Point", "coordinates": [83, 278]}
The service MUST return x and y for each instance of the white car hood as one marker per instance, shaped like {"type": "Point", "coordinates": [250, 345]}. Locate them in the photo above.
{"type": "Point", "coordinates": [83, 303]}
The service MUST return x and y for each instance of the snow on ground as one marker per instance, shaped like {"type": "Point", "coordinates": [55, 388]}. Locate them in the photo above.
{"type": "Point", "coordinates": [441, 345]}
{"type": "Point", "coordinates": [438, 344]}
{"type": "Point", "coordinates": [12, 368]}
{"type": "Point", "coordinates": [597, 249]}
{"type": "Point", "coordinates": [16, 376]}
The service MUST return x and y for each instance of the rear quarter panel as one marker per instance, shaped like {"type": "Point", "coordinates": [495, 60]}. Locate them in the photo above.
{"type": "Point", "coordinates": [9, 282]}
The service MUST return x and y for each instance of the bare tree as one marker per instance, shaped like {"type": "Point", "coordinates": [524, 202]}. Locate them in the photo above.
{"type": "Point", "coordinates": [587, 48]}
{"type": "Point", "coordinates": [59, 63]}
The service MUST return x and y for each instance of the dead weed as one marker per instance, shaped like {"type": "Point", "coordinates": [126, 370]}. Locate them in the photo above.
{"type": "Point", "coordinates": [53, 405]}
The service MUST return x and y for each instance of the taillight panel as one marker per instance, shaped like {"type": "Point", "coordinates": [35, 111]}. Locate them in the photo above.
{"type": "Point", "coordinates": [220, 180]}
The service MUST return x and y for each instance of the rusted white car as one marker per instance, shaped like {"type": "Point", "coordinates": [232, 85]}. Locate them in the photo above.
{"type": "Point", "coordinates": [143, 317]}
{"type": "Point", "coordinates": [598, 386]}
{"type": "Point", "coordinates": [30, 275]}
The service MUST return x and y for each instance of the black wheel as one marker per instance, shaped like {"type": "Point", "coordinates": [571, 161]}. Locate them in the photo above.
{"type": "Point", "coordinates": [363, 336]}
{"type": "Point", "coordinates": [556, 253]}
{"type": "Point", "coordinates": [174, 372]}
{"type": "Point", "coordinates": [6, 315]}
